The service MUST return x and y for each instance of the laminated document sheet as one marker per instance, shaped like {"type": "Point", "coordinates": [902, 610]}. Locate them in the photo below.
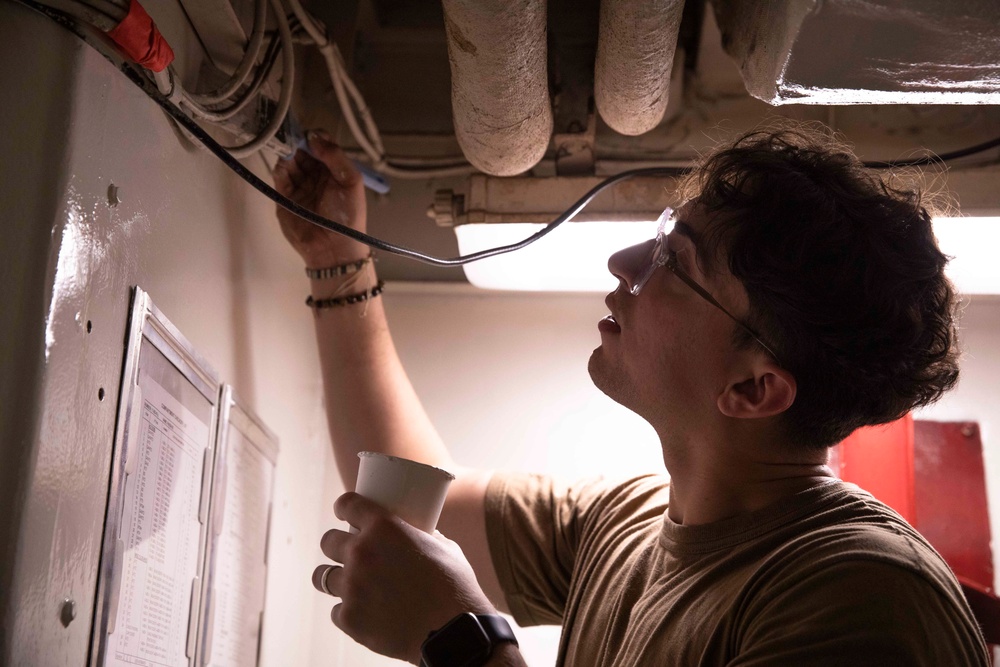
{"type": "Point", "coordinates": [183, 564]}
{"type": "Point", "coordinates": [161, 531]}
{"type": "Point", "coordinates": [237, 566]}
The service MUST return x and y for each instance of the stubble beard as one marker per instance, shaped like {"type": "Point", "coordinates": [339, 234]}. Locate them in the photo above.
{"type": "Point", "coordinates": [610, 381]}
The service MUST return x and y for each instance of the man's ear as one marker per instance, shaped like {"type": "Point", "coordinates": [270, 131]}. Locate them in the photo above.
{"type": "Point", "coordinates": [769, 392]}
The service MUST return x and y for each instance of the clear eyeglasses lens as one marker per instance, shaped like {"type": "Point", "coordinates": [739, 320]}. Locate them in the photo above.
{"type": "Point", "coordinates": [653, 260]}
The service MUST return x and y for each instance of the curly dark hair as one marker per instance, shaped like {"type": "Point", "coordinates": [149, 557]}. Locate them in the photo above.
{"type": "Point", "coordinates": [843, 273]}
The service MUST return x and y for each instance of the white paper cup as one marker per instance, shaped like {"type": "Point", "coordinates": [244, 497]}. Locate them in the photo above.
{"type": "Point", "coordinates": [414, 492]}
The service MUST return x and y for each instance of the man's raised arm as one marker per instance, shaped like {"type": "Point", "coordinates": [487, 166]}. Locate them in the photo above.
{"type": "Point", "coordinates": [370, 402]}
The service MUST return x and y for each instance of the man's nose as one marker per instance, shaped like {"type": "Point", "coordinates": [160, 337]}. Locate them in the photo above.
{"type": "Point", "coordinates": [628, 262]}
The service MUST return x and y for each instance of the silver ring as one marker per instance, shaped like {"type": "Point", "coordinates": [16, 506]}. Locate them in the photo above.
{"type": "Point", "coordinates": [322, 580]}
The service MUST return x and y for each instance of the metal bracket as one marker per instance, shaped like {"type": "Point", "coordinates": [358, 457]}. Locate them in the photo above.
{"type": "Point", "coordinates": [575, 150]}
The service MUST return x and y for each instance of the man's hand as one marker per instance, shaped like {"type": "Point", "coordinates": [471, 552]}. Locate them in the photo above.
{"type": "Point", "coordinates": [327, 183]}
{"type": "Point", "coordinates": [397, 583]}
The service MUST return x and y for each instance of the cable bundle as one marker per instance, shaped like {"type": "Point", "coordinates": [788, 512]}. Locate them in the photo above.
{"type": "Point", "coordinates": [359, 118]}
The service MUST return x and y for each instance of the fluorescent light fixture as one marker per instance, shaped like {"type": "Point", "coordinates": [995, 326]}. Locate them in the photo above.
{"type": "Point", "coordinates": [574, 257]}
{"type": "Point", "coordinates": [571, 258]}
{"type": "Point", "coordinates": [972, 243]}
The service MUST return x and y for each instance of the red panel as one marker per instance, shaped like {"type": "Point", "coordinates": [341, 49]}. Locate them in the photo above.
{"type": "Point", "coordinates": [951, 508]}
{"type": "Point", "coordinates": [932, 473]}
{"type": "Point", "coordinates": [879, 459]}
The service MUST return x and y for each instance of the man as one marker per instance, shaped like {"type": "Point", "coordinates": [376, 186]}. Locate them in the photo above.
{"type": "Point", "coordinates": [796, 298]}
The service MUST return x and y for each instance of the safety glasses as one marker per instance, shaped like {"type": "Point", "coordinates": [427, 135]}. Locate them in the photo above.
{"type": "Point", "coordinates": [661, 255]}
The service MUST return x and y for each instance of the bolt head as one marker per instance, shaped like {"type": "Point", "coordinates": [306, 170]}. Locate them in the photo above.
{"type": "Point", "coordinates": [68, 612]}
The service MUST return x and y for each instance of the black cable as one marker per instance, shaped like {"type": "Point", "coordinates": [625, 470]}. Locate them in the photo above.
{"type": "Point", "coordinates": [188, 124]}
{"type": "Point", "coordinates": [936, 159]}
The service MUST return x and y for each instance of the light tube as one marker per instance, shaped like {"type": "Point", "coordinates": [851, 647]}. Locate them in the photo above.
{"type": "Point", "coordinates": [574, 257]}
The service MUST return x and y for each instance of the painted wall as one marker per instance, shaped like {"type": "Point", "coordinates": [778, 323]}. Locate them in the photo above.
{"type": "Point", "coordinates": [208, 251]}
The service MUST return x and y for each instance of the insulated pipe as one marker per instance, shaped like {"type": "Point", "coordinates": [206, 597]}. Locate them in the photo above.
{"type": "Point", "coordinates": [635, 53]}
{"type": "Point", "coordinates": [499, 82]}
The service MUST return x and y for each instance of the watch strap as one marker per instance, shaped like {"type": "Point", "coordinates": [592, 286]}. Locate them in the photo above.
{"type": "Point", "coordinates": [492, 629]}
{"type": "Point", "coordinates": [497, 629]}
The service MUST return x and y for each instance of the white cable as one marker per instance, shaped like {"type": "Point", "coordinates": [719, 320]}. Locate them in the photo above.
{"type": "Point", "coordinates": [249, 94]}
{"type": "Point", "coordinates": [287, 86]}
{"type": "Point", "coordinates": [372, 143]}
{"type": "Point", "coordinates": [424, 172]}
{"type": "Point", "coordinates": [169, 84]}
{"type": "Point", "coordinates": [374, 148]}
{"type": "Point", "coordinates": [164, 81]}
{"type": "Point", "coordinates": [347, 92]}
{"type": "Point", "coordinates": [359, 103]}
{"type": "Point", "coordinates": [308, 23]}
{"type": "Point", "coordinates": [413, 161]}
{"type": "Point", "coordinates": [246, 65]}
{"type": "Point", "coordinates": [345, 105]}
{"type": "Point", "coordinates": [370, 139]}
{"type": "Point", "coordinates": [338, 74]}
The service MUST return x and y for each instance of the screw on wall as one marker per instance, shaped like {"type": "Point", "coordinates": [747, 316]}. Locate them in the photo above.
{"type": "Point", "coordinates": [67, 612]}
{"type": "Point", "coordinates": [113, 199]}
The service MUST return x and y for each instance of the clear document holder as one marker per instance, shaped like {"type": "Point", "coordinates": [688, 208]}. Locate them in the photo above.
{"type": "Point", "coordinates": [183, 562]}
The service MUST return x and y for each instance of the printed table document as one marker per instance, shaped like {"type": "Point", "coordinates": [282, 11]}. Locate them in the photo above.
{"type": "Point", "coordinates": [160, 532]}
{"type": "Point", "coordinates": [240, 571]}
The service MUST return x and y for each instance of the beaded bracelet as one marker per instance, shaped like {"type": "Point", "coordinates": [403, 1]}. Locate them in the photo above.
{"type": "Point", "coordinates": [333, 302]}
{"type": "Point", "coordinates": [339, 270]}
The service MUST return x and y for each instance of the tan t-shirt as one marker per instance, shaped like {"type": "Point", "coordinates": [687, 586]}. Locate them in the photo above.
{"type": "Point", "coordinates": [829, 576]}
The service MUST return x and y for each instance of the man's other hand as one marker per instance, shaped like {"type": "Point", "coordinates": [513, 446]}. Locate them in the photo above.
{"type": "Point", "coordinates": [396, 583]}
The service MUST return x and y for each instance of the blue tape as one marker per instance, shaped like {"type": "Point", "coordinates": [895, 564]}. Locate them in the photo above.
{"type": "Point", "coordinates": [374, 181]}
{"type": "Point", "coordinates": [296, 136]}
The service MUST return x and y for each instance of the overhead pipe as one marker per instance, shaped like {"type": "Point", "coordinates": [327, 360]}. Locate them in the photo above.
{"type": "Point", "coordinates": [635, 54]}
{"type": "Point", "coordinates": [499, 82]}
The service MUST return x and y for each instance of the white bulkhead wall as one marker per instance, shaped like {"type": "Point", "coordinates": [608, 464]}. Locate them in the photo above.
{"type": "Point", "coordinates": [207, 249]}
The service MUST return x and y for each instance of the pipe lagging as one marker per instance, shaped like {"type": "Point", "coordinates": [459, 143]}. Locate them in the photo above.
{"type": "Point", "coordinates": [635, 54]}
{"type": "Point", "coordinates": [499, 82]}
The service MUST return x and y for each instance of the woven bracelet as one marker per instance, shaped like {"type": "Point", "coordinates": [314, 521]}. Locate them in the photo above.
{"type": "Point", "coordinates": [333, 302]}
{"type": "Point", "coordinates": [339, 270]}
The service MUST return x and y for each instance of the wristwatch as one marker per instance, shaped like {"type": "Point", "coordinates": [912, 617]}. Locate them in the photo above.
{"type": "Point", "coordinates": [466, 641]}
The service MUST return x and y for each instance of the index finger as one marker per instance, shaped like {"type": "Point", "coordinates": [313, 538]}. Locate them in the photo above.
{"type": "Point", "coordinates": [340, 166]}
{"type": "Point", "coordinates": [358, 511]}
{"type": "Point", "coordinates": [306, 163]}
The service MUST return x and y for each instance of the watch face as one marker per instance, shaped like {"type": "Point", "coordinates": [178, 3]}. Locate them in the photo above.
{"type": "Point", "coordinates": [461, 643]}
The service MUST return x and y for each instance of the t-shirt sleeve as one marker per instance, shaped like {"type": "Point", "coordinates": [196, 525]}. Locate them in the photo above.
{"type": "Point", "coordinates": [858, 613]}
{"type": "Point", "coordinates": [535, 525]}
